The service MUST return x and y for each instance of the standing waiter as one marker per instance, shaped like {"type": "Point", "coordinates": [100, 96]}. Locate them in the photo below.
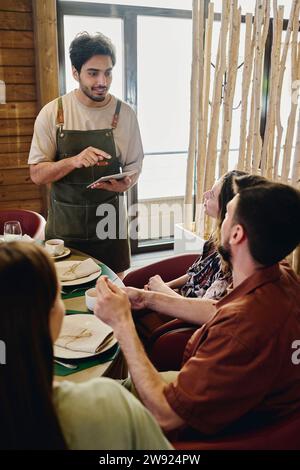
{"type": "Point", "coordinates": [79, 137]}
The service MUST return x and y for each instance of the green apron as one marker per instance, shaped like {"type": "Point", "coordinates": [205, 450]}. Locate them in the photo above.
{"type": "Point", "coordinates": [72, 209]}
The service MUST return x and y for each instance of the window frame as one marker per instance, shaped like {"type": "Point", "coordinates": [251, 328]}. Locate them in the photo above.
{"type": "Point", "coordinates": [129, 15]}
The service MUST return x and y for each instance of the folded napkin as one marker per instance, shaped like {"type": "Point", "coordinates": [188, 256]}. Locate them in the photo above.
{"type": "Point", "coordinates": [23, 238]}
{"type": "Point", "coordinates": [77, 270]}
{"type": "Point", "coordinates": [27, 238]}
{"type": "Point", "coordinates": [84, 333]}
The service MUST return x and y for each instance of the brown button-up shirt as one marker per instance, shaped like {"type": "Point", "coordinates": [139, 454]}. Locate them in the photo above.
{"type": "Point", "coordinates": [239, 364]}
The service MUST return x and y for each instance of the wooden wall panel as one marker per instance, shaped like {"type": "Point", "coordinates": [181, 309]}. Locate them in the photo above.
{"type": "Point", "coordinates": [28, 204]}
{"type": "Point", "coordinates": [20, 92]}
{"type": "Point", "coordinates": [16, 127]}
{"type": "Point", "coordinates": [17, 74]}
{"type": "Point", "coordinates": [15, 20]}
{"type": "Point", "coordinates": [18, 110]}
{"type": "Point", "coordinates": [11, 144]}
{"type": "Point", "coordinates": [17, 115]}
{"type": "Point", "coordinates": [17, 39]}
{"type": "Point", "coordinates": [27, 191]}
{"type": "Point", "coordinates": [14, 160]}
{"type": "Point", "coordinates": [16, 5]}
{"type": "Point", "coordinates": [13, 176]}
{"type": "Point", "coordinates": [16, 57]}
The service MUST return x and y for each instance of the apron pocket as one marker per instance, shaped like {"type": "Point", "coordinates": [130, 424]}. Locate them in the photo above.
{"type": "Point", "coordinates": [70, 221]}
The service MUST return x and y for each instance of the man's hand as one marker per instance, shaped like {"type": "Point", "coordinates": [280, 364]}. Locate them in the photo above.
{"type": "Point", "coordinates": [137, 298]}
{"type": "Point", "coordinates": [118, 186]}
{"type": "Point", "coordinates": [112, 305]}
{"type": "Point", "coordinates": [91, 156]}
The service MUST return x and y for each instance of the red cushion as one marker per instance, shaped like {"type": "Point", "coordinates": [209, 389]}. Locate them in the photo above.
{"type": "Point", "coordinates": [32, 223]}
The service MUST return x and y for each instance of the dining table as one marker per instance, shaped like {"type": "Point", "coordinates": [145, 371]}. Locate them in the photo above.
{"type": "Point", "coordinates": [110, 363]}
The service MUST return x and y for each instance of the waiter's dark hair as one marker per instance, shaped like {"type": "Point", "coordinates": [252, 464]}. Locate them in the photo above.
{"type": "Point", "coordinates": [85, 46]}
{"type": "Point", "coordinates": [270, 215]}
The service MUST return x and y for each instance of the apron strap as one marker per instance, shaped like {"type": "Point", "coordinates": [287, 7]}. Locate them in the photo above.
{"type": "Point", "coordinates": [116, 115]}
{"type": "Point", "coordinates": [60, 113]}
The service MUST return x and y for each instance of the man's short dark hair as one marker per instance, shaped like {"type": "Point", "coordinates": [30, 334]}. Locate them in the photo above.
{"type": "Point", "coordinates": [85, 46]}
{"type": "Point", "coordinates": [270, 215]}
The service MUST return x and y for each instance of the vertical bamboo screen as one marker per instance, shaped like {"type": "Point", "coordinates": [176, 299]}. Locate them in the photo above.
{"type": "Point", "coordinates": [276, 155]}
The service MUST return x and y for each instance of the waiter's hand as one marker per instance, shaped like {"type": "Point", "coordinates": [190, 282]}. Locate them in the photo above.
{"type": "Point", "coordinates": [118, 186]}
{"type": "Point", "coordinates": [90, 156]}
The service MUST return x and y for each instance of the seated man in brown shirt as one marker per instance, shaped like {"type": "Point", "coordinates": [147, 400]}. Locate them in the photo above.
{"type": "Point", "coordinates": [237, 367]}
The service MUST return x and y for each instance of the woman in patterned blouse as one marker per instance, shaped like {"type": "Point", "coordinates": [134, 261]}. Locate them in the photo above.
{"type": "Point", "coordinates": [208, 277]}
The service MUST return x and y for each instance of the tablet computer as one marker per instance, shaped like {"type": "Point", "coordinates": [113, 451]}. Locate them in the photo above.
{"type": "Point", "coordinates": [117, 176]}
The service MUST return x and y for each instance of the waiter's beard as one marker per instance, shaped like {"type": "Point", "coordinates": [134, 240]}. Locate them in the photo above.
{"type": "Point", "coordinates": [92, 97]}
{"type": "Point", "coordinates": [225, 252]}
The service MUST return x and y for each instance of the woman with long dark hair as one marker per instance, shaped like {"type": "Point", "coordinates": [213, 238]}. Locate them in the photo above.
{"type": "Point", "coordinates": [34, 414]}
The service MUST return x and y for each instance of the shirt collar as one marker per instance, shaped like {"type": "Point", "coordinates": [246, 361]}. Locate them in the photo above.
{"type": "Point", "coordinates": [259, 278]}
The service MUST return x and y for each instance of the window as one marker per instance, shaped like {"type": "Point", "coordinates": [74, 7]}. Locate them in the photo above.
{"type": "Point", "coordinates": [112, 27]}
{"type": "Point", "coordinates": [175, 4]}
{"type": "Point", "coordinates": [152, 73]}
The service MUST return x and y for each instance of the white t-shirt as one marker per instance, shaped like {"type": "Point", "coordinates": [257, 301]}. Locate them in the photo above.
{"type": "Point", "coordinates": [77, 116]}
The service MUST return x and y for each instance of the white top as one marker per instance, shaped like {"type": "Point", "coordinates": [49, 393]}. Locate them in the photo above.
{"type": "Point", "coordinates": [78, 116]}
{"type": "Point", "coordinates": [101, 414]}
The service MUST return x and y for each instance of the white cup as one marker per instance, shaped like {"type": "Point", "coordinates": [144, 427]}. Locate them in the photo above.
{"type": "Point", "coordinates": [55, 246]}
{"type": "Point", "coordinates": [90, 298]}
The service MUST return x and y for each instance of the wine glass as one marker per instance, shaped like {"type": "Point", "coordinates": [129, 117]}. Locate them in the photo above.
{"type": "Point", "coordinates": [12, 231]}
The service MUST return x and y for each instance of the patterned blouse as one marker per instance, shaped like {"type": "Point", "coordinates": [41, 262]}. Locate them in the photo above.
{"type": "Point", "coordinates": [206, 278]}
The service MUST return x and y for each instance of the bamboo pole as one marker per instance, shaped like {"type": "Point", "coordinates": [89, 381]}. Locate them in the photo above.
{"type": "Point", "coordinates": [263, 18]}
{"type": "Point", "coordinates": [200, 134]}
{"type": "Point", "coordinates": [270, 154]}
{"type": "Point", "coordinates": [295, 178]}
{"type": "Point", "coordinates": [279, 127]}
{"type": "Point", "coordinates": [296, 260]}
{"type": "Point", "coordinates": [211, 154]}
{"type": "Point", "coordinates": [292, 117]}
{"type": "Point", "coordinates": [210, 166]}
{"type": "Point", "coordinates": [268, 144]}
{"type": "Point", "coordinates": [234, 35]}
{"type": "Point", "coordinates": [296, 164]}
{"type": "Point", "coordinates": [188, 200]}
{"type": "Point", "coordinates": [250, 134]}
{"type": "Point", "coordinates": [202, 138]}
{"type": "Point", "coordinates": [246, 79]}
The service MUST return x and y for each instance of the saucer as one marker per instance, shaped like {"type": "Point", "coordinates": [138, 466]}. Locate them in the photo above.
{"type": "Point", "coordinates": [65, 253]}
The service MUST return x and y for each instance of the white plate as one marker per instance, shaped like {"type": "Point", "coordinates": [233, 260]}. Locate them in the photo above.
{"type": "Point", "coordinates": [82, 280]}
{"type": "Point", "coordinates": [93, 324]}
{"type": "Point", "coordinates": [63, 353]}
{"type": "Point", "coordinates": [65, 253]}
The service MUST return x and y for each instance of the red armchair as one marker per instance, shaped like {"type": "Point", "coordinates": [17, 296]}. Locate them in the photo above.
{"type": "Point", "coordinates": [166, 345]}
{"type": "Point", "coordinates": [283, 435]}
{"type": "Point", "coordinates": [32, 223]}
{"type": "Point", "coordinates": [168, 269]}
